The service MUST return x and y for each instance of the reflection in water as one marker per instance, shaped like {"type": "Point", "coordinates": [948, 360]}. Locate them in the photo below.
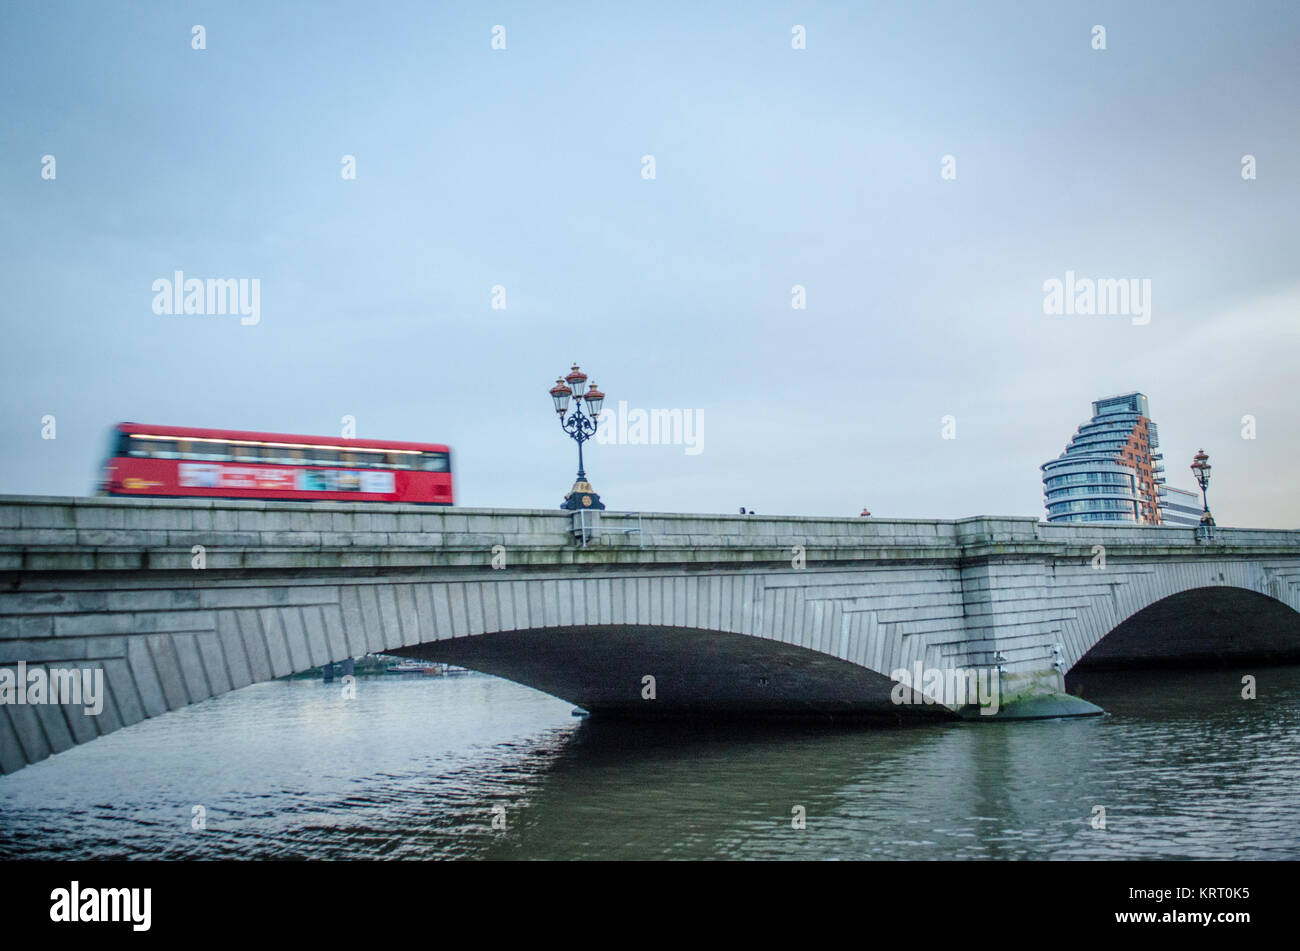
{"type": "Point", "coordinates": [413, 768]}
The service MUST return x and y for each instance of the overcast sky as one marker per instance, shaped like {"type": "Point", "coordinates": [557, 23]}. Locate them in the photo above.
{"type": "Point", "coordinates": [774, 167]}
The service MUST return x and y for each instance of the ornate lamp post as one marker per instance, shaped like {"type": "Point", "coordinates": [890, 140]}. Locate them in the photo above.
{"type": "Point", "coordinates": [580, 427]}
{"type": "Point", "coordinates": [1201, 469]}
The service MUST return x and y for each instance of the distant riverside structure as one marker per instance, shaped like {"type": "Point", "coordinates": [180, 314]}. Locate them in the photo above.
{"type": "Point", "coordinates": [1179, 507]}
{"type": "Point", "coordinates": [1110, 471]}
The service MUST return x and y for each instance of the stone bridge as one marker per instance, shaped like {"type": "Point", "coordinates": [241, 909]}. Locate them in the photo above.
{"type": "Point", "coordinates": [181, 600]}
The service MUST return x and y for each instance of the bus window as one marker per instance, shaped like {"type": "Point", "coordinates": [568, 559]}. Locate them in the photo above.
{"type": "Point", "coordinates": [434, 462]}
{"type": "Point", "coordinates": [322, 457]}
{"type": "Point", "coordinates": [162, 448]}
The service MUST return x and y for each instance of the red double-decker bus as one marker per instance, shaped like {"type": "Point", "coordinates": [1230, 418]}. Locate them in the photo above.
{"type": "Point", "coordinates": [184, 461]}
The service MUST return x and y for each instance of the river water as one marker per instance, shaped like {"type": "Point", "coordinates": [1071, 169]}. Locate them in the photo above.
{"type": "Point", "coordinates": [425, 767]}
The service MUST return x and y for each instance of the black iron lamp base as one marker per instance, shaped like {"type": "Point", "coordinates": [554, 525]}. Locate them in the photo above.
{"type": "Point", "coordinates": [582, 496]}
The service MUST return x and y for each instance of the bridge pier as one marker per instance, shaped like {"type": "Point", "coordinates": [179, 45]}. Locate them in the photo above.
{"type": "Point", "coordinates": [1034, 695]}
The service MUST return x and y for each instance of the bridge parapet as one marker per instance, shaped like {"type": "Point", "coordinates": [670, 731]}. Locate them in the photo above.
{"type": "Point", "coordinates": [92, 534]}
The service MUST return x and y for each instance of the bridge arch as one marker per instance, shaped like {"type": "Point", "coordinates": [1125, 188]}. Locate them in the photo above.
{"type": "Point", "coordinates": [1190, 615]}
{"type": "Point", "coordinates": [664, 671]}
{"type": "Point", "coordinates": [750, 640]}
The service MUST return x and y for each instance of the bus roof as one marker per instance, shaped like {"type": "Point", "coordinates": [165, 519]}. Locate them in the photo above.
{"type": "Point", "coordinates": [335, 442]}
